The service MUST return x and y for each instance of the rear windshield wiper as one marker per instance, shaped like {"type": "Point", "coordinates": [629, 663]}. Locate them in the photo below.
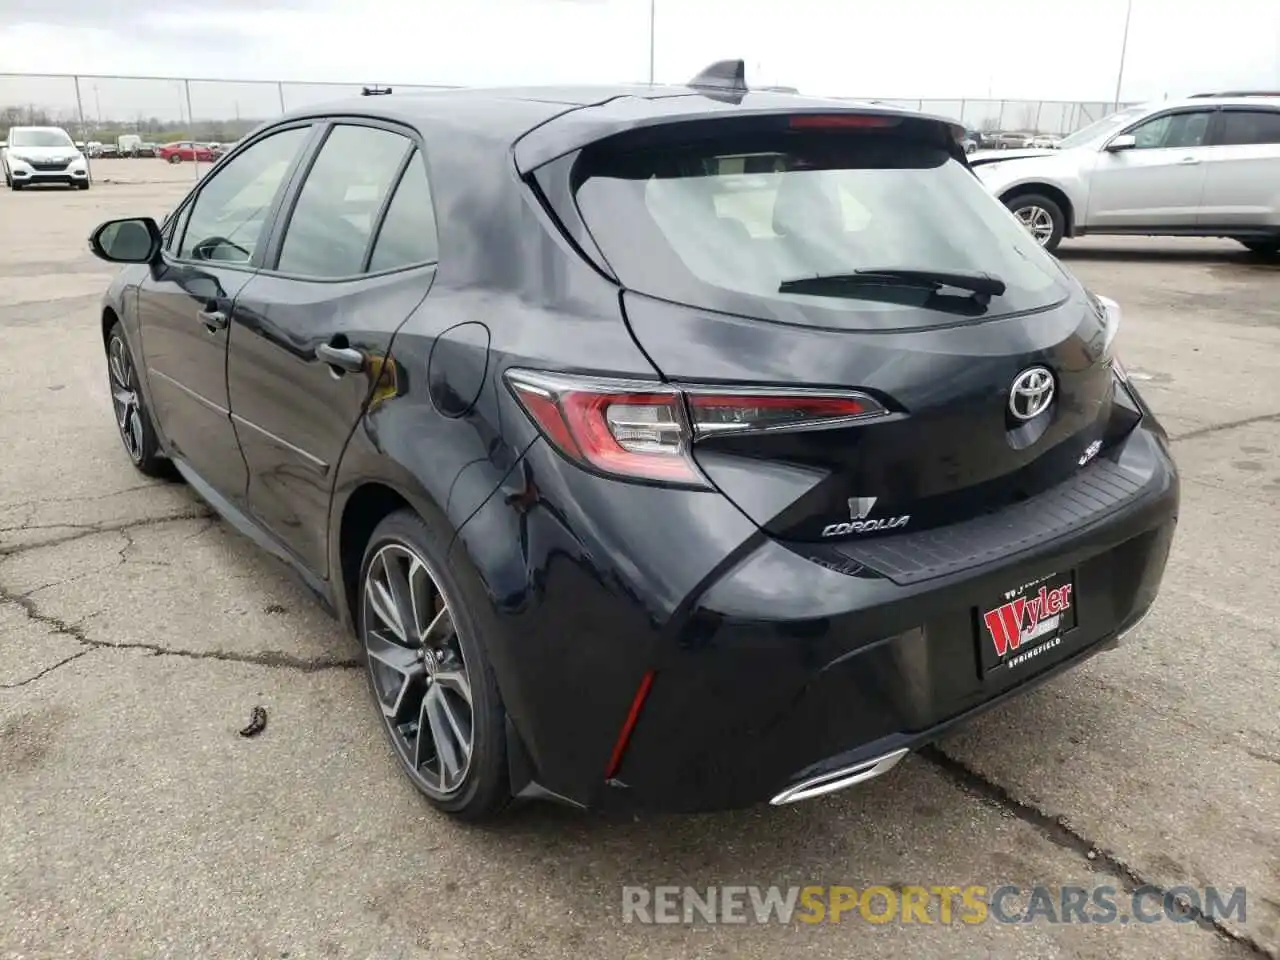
{"type": "Point", "coordinates": [982, 284]}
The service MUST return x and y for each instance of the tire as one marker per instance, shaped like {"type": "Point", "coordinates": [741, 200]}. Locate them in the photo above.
{"type": "Point", "coordinates": [1264, 248]}
{"type": "Point", "coordinates": [175, 158]}
{"type": "Point", "coordinates": [83, 186]}
{"type": "Point", "coordinates": [418, 549]}
{"type": "Point", "coordinates": [133, 420]}
{"type": "Point", "coordinates": [15, 186]}
{"type": "Point", "coordinates": [1034, 208]}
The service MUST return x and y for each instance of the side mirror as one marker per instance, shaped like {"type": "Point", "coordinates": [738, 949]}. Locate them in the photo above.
{"type": "Point", "coordinates": [131, 240]}
{"type": "Point", "coordinates": [1126, 141]}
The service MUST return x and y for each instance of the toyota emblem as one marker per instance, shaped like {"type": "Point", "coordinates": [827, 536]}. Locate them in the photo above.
{"type": "Point", "coordinates": [1031, 393]}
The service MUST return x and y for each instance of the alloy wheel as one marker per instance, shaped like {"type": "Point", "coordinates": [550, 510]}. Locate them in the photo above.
{"type": "Point", "coordinates": [417, 670]}
{"type": "Point", "coordinates": [124, 398]}
{"type": "Point", "coordinates": [1038, 221]}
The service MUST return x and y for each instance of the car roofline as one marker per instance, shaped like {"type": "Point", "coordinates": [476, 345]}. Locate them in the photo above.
{"type": "Point", "coordinates": [576, 115]}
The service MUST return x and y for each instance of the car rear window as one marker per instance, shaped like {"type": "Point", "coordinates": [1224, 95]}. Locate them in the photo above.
{"type": "Point", "coordinates": [721, 223]}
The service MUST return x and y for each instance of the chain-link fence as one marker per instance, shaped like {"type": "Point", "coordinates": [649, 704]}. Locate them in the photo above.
{"type": "Point", "coordinates": [166, 109]}
{"type": "Point", "coordinates": [158, 109]}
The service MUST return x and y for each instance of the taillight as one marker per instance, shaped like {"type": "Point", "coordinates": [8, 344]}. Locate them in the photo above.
{"type": "Point", "coordinates": [642, 430]}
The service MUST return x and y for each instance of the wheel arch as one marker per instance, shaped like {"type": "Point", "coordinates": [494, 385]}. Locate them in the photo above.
{"type": "Point", "coordinates": [1056, 194]}
{"type": "Point", "coordinates": [368, 504]}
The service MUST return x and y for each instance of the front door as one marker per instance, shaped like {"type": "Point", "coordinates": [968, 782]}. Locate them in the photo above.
{"type": "Point", "coordinates": [312, 335]}
{"type": "Point", "coordinates": [185, 306]}
{"type": "Point", "coordinates": [1157, 183]}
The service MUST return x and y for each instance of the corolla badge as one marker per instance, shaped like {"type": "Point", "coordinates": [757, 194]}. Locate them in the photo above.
{"type": "Point", "coordinates": [1031, 393]}
{"type": "Point", "coordinates": [859, 510]}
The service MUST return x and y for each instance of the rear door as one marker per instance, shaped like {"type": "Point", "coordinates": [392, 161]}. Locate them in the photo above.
{"type": "Point", "coordinates": [1157, 183]}
{"type": "Point", "coordinates": [987, 399]}
{"type": "Point", "coordinates": [311, 333]}
{"type": "Point", "coordinates": [1242, 164]}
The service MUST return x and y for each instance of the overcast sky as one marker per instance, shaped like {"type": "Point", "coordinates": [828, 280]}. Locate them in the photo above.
{"type": "Point", "coordinates": [1050, 49]}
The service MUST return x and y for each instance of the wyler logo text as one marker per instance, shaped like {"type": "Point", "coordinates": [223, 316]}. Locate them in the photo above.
{"type": "Point", "coordinates": [1014, 623]}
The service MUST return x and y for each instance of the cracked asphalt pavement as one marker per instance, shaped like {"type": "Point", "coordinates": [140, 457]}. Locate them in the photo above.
{"type": "Point", "coordinates": [137, 634]}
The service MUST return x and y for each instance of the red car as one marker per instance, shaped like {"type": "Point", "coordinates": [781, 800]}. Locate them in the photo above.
{"type": "Point", "coordinates": [185, 150]}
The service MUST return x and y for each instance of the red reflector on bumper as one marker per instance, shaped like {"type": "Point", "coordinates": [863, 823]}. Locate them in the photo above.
{"type": "Point", "coordinates": [624, 735]}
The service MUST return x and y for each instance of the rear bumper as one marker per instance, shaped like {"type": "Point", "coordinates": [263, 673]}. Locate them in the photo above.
{"type": "Point", "coordinates": [785, 663]}
{"type": "Point", "coordinates": [789, 671]}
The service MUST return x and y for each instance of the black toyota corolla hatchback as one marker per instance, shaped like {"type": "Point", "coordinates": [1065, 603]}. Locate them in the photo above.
{"type": "Point", "coordinates": [690, 447]}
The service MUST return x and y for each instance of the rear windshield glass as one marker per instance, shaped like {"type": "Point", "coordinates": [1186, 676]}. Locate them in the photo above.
{"type": "Point", "coordinates": [723, 224]}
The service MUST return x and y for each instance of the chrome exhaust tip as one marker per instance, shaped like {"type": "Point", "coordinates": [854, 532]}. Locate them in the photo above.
{"type": "Point", "coordinates": [839, 779]}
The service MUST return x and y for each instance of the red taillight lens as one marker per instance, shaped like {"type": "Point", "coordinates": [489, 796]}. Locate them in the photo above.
{"type": "Point", "coordinates": [645, 431]}
{"type": "Point", "coordinates": [622, 428]}
{"type": "Point", "coordinates": [842, 121]}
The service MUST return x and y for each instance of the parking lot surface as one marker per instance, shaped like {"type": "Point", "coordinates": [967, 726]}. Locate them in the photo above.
{"type": "Point", "coordinates": [137, 633]}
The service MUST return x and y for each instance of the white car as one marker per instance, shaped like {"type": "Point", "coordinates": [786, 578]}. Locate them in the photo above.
{"type": "Point", "coordinates": [38, 155]}
{"type": "Point", "coordinates": [1207, 166]}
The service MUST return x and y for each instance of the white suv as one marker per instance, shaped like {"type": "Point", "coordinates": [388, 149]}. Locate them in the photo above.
{"type": "Point", "coordinates": [35, 155]}
{"type": "Point", "coordinates": [1207, 166]}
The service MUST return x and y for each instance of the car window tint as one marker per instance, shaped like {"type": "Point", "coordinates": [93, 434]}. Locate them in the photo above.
{"type": "Point", "coordinates": [328, 233]}
{"type": "Point", "coordinates": [408, 232]}
{"type": "Point", "coordinates": [1173, 130]}
{"type": "Point", "coordinates": [1242, 127]}
{"type": "Point", "coordinates": [228, 216]}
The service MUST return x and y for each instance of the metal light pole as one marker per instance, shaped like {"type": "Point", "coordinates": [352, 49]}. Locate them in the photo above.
{"type": "Point", "coordinates": [84, 133]}
{"type": "Point", "coordinates": [1124, 48]}
{"type": "Point", "coordinates": [652, 37]}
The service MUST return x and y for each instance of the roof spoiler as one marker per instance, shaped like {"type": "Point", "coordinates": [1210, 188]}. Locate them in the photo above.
{"type": "Point", "coordinates": [1237, 93]}
{"type": "Point", "coordinates": [723, 76]}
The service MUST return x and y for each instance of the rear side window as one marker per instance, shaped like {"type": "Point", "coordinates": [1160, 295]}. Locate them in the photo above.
{"type": "Point", "coordinates": [333, 220]}
{"type": "Point", "coordinates": [408, 233]}
{"type": "Point", "coordinates": [724, 224]}
{"type": "Point", "coordinates": [1246, 127]}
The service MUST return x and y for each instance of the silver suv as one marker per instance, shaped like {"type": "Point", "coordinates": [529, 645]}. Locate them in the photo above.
{"type": "Point", "coordinates": [1207, 166]}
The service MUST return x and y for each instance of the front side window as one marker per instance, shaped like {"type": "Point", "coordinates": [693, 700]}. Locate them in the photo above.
{"type": "Point", "coordinates": [328, 233]}
{"type": "Point", "coordinates": [1250, 127]}
{"type": "Point", "coordinates": [1180, 130]}
{"type": "Point", "coordinates": [229, 216]}
{"type": "Point", "coordinates": [694, 221]}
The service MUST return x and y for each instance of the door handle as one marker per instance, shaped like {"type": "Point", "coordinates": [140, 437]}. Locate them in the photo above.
{"type": "Point", "coordinates": [341, 359]}
{"type": "Point", "coordinates": [213, 320]}
{"type": "Point", "coordinates": [1189, 160]}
